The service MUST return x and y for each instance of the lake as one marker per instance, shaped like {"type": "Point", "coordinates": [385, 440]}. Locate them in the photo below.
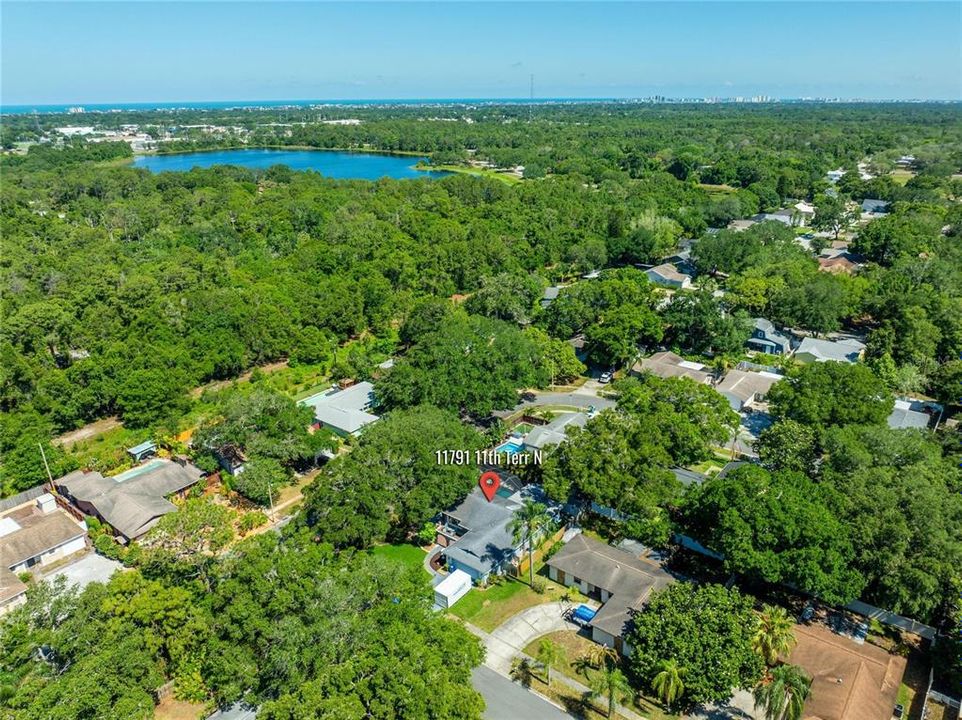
{"type": "Point", "coordinates": [330, 163]}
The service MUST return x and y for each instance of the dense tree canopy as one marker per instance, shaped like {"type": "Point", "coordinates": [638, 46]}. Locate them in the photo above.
{"type": "Point", "coordinates": [827, 394]}
{"type": "Point", "coordinates": [707, 631]}
{"type": "Point", "coordinates": [391, 483]}
{"type": "Point", "coordinates": [469, 363]}
{"type": "Point", "coordinates": [780, 528]}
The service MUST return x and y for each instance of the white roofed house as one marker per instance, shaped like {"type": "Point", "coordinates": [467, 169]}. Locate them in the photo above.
{"type": "Point", "coordinates": [745, 390]}
{"type": "Point", "coordinates": [667, 274]}
{"type": "Point", "coordinates": [555, 432]}
{"type": "Point", "coordinates": [804, 212]}
{"type": "Point", "coordinates": [913, 414]}
{"type": "Point", "coordinates": [345, 412]}
{"type": "Point", "coordinates": [848, 350]}
{"type": "Point", "coordinates": [783, 216]}
{"type": "Point", "coordinates": [667, 364]}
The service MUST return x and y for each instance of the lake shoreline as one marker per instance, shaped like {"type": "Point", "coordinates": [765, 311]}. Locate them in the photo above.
{"type": "Point", "coordinates": [343, 164]}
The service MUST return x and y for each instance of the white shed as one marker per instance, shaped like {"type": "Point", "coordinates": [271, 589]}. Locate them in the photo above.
{"type": "Point", "coordinates": [452, 588]}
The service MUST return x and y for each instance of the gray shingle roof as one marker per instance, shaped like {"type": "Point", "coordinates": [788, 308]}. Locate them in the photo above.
{"type": "Point", "coordinates": [630, 580]}
{"type": "Point", "coordinates": [488, 542]}
{"type": "Point", "coordinates": [133, 501]}
{"type": "Point", "coordinates": [555, 431]}
{"type": "Point", "coordinates": [847, 350]}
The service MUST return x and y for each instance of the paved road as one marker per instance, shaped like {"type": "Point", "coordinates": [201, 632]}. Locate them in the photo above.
{"type": "Point", "coordinates": [509, 701]}
{"type": "Point", "coordinates": [578, 398]}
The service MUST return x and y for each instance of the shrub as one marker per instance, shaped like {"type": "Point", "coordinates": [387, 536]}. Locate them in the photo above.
{"type": "Point", "coordinates": [539, 585]}
{"type": "Point", "coordinates": [251, 520]}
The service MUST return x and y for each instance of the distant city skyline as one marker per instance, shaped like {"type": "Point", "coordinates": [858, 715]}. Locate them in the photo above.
{"type": "Point", "coordinates": [90, 53]}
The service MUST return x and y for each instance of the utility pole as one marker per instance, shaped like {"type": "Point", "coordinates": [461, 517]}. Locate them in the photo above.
{"type": "Point", "coordinates": [44, 456]}
{"type": "Point", "coordinates": [270, 496]}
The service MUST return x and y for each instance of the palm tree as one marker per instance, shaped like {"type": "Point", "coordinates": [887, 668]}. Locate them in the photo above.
{"type": "Point", "coordinates": [668, 682]}
{"type": "Point", "coordinates": [599, 655]}
{"type": "Point", "coordinates": [612, 684]}
{"type": "Point", "coordinates": [775, 635]}
{"type": "Point", "coordinates": [549, 653]}
{"type": "Point", "coordinates": [584, 664]}
{"type": "Point", "coordinates": [526, 522]}
{"type": "Point", "coordinates": [783, 692]}
{"type": "Point", "coordinates": [522, 671]}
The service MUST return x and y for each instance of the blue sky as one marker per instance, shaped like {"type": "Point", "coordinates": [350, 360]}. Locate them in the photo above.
{"type": "Point", "coordinates": [85, 52]}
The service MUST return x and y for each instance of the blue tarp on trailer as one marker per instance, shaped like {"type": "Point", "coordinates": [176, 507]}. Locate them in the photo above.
{"type": "Point", "coordinates": [583, 613]}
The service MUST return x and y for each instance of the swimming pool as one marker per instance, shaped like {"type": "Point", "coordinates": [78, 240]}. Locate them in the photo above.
{"type": "Point", "coordinates": [510, 447]}
{"type": "Point", "coordinates": [134, 472]}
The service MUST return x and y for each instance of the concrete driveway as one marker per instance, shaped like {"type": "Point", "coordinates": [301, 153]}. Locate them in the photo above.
{"type": "Point", "coordinates": [90, 568]}
{"type": "Point", "coordinates": [511, 637]}
{"type": "Point", "coordinates": [741, 706]}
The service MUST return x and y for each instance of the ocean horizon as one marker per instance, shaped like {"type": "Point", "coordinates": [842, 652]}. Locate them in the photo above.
{"type": "Point", "coordinates": [57, 108]}
{"type": "Point", "coordinates": [62, 108]}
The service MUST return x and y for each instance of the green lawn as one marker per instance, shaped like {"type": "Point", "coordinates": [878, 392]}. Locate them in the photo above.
{"type": "Point", "coordinates": [488, 608]}
{"type": "Point", "coordinates": [476, 171]}
{"type": "Point", "coordinates": [403, 553]}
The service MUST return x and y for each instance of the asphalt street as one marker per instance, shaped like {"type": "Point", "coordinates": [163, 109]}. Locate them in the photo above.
{"type": "Point", "coordinates": [509, 701]}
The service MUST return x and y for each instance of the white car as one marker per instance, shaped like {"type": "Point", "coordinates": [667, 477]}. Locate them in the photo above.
{"type": "Point", "coordinates": [606, 377]}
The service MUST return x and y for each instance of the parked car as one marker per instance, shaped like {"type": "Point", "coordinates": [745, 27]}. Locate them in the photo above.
{"type": "Point", "coordinates": [606, 377]}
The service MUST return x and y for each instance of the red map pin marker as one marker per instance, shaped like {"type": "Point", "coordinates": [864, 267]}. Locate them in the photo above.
{"type": "Point", "coordinates": [489, 483]}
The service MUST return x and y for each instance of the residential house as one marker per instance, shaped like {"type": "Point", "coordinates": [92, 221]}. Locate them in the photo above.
{"type": "Point", "coordinates": [745, 390]}
{"type": "Point", "coordinates": [804, 212]}
{"type": "Point", "coordinates": [835, 262]}
{"type": "Point", "coordinates": [783, 216]}
{"type": "Point", "coordinates": [818, 350]}
{"type": "Point", "coordinates": [475, 533]}
{"type": "Point", "coordinates": [740, 225]}
{"type": "Point", "coordinates": [874, 207]}
{"type": "Point", "coordinates": [833, 176]}
{"type": "Point", "coordinates": [850, 681]}
{"type": "Point", "coordinates": [908, 414]}
{"type": "Point", "coordinates": [578, 344]}
{"type": "Point", "coordinates": [550, 295]}
{"type": "Point", "coordinates": [345, 412]}
{"type": "Point", "coordinates": [554, 432]}
{"type": "Point", "coordinates": [667, 364]}
{"type": "Point", "coordinates": [766, 338]}
{"type": "Point", "coordinates": [231, 458]}
{"type": "Point", "coordinates": [34, 534]}
{"type": "Point", "coordinates": [133, 501]}
{"type": "Point", "coordinates": [619, 579]}
{"type": "Point", "coordinates": [667, 274]}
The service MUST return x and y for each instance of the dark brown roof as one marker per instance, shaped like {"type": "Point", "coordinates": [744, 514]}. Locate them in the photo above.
{"type": "Point", "coordinates": [629, 579]}
{"type": "Point", "coordinates": [849, 681]}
